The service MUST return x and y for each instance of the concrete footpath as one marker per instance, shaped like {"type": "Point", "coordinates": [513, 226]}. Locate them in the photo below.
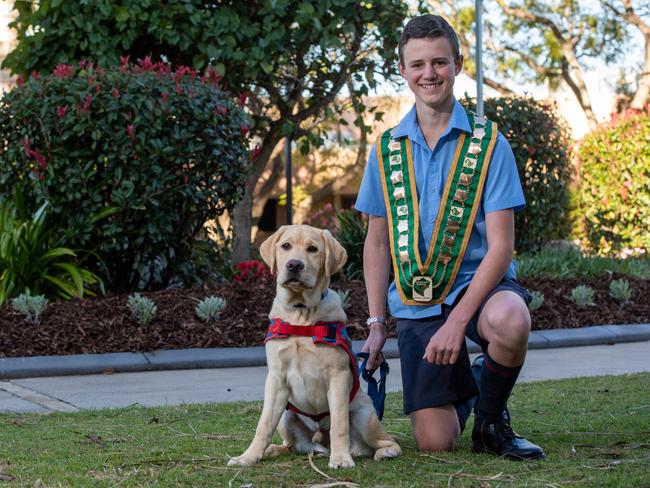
{"type": "Point", "coordinates": [73, 383]}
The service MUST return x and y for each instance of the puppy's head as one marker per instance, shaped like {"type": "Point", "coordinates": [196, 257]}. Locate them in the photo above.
{"type": "Point", "coordinates": [303, 257]}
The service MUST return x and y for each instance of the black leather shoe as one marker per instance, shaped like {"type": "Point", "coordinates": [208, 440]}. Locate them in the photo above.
{"type": "Point", "coordinates": [499, 439]}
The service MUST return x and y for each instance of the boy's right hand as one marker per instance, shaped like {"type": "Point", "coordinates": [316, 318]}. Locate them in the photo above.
{"type": "Point", "coordinates": [374, 344]}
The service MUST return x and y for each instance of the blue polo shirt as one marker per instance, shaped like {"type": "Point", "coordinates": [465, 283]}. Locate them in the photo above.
{"type": "Point", "coordinates": [502, 190]}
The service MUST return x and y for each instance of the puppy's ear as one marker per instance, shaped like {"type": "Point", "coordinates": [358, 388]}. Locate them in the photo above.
{"type": "Point", "coordinates": [335, 254]}
{"type": "Point", "coordinates": [267, 249]}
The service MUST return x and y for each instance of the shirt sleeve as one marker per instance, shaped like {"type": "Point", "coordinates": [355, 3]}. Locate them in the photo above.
{"type": "Point", "coordinates": [503, 187]}
{"type": "Point", "coordinates": [370, 198]}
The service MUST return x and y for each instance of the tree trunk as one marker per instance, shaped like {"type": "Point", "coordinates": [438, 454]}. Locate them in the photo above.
{"type": "Point", "coordinates": [242, 223]}
{"type": "Point", "coordinates": [642, 94]}
{"type": "Point", "coordinates": [575, 79]}
{"type": "Point", "coordinates": [242, 216]}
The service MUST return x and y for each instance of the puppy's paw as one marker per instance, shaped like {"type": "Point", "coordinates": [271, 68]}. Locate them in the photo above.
{"type": "Point", "coordinates": [320, 450]}
{"type": "Point", "coordinates": [388, 452]}
{"type": "Point", "coordinates": [341, 461]}
{"type": "Point", "coordinates": [242, 460]}
{"type": "Point", "coordinates": [276, 450]}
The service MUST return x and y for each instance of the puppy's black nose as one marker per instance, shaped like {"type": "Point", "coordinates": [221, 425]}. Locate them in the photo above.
{"type": "Point", "coordinates": [295, 265]}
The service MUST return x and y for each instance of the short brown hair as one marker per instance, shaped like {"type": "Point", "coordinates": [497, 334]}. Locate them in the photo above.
{"type": "Point", "coordinates": [428, 26]}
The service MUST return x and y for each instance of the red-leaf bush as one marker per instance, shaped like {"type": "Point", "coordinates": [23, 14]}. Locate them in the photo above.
{"type": "Point", "coordinates": [613, 195]}
{"type": "Point", "coordinates": [160, 151]}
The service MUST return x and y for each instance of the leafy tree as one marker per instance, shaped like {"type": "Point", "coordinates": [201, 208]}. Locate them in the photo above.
{"type": "Point", "coordinates": [289, 59]}
{"type": "Point", "coordinates": [636, 18]}
{"type": "Point", "coordinates": [553, 42]}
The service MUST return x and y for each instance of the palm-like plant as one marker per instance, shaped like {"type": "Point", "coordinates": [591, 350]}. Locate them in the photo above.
{"type": "Point", "coordinates": [30, 259]}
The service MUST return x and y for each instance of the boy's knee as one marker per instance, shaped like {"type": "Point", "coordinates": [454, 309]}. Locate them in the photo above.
{"type": "Point", "coordinates": [437, 444]}
{"type": "Point", "coordinates": [437, 440]}
{"type": "Point", "coordinates": [509, 324]}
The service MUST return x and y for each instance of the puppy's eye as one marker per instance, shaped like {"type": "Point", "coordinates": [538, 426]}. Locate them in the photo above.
{"type": "Point", "coordinates": [312, 249]}
{"type": "Point", "coordinates": [286, 246]}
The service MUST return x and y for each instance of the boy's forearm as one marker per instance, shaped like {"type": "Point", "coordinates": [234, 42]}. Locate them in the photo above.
{"type": "Point", "coordinates": [500, 228]}
{"type": "Point", "coordinates": [376, 270]}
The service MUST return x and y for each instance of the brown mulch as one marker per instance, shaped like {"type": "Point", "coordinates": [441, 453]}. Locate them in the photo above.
{"type": "Point", "coordinates": [104, 324]}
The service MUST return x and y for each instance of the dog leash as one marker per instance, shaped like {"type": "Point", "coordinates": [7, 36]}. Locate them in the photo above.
{"type": "Point", "coordinates": [376, 389]}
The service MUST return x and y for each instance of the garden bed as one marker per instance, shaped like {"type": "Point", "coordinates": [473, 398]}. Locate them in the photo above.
{"type": "Point", "coordinates": [105, 324]}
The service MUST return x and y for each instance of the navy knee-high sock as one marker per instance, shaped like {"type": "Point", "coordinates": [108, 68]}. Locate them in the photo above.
{"type": "Point", "coordinates": [495, 385]}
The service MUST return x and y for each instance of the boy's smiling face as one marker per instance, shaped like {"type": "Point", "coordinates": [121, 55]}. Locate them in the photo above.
{"type": "Point", "coordinates": [430, 71]}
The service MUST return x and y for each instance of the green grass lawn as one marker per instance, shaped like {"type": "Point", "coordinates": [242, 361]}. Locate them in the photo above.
{"type": "Point", "coordinates": [596, 432]}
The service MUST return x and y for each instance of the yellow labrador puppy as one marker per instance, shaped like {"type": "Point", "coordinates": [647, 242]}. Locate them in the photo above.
{"type": "Point", "coordinates": [312, 378]}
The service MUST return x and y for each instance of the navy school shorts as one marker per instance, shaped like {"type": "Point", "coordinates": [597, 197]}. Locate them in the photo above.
{"type": "Point", "coordinates": [427, 385]}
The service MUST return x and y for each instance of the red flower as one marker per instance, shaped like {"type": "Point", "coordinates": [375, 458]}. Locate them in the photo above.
{"type": "Point", "coordinates": [20, 80]}
{"type": "Point", "coordinates": [212, 76]}
{"type": "Point", "coordinates": [221, 109]}
{"type": "Point", "coordinates": [146, 64]}
{"type": "Point", "coordinates": [180, 72]}
{"type": "Point", "coordinates": [623, 192]}
{"type": "Point", "coordinates": [62, 110]}
{"type": "Point", "coordinates": [62, 71]}
{"type": "Point", "coordinates": [252, 271]}
{"type": "Point", "coordinates": [124, 64]}
{"type": "Point", "coordinates": [243, 96]}
{"type": "Point", "coordinates": [87, 65]}
{"type": "Point", "coordinates": [130, 131]}
{"type": "Point", "coordinates": [115, 92]}
{"type": "Point", "coordinates": [32, 153]}
{"type": "Point", "coordinates": [85, 106]}
{"type": "Point", "coordinates": [26, 145]}
{"type": "Point", "coordinates": [35, 75]}
{"type": "Point", "coordinates": [255, 153]}
{"type": "Point", "coordinates": [245, 129]}
{"type": "Point", "coordinates": [40, 159]}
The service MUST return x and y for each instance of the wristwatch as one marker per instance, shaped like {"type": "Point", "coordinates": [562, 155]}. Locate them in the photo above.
{"type": "Point", "coordinates": [372, 320]}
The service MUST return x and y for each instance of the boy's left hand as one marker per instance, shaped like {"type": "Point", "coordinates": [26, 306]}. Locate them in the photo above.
{"type": "Point", "coordinates": [445, 345]}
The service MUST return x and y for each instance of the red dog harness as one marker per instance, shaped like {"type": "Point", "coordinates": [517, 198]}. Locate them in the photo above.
{"type": "Point", "coordinates": [328, 333]}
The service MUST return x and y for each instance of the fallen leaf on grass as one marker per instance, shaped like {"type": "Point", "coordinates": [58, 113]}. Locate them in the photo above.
{"type": "Point", "coordinates": [95, 439]}
{"type": "Point", "coordinates": [6, 477]}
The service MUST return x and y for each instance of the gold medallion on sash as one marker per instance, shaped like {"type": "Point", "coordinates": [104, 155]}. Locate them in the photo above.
{"type": "Point", "coordinates": [431, 282]}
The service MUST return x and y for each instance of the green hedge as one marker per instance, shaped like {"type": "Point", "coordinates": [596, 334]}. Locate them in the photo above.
{"type": "Point", "coordinates": [613, 195]}
{"type": "Point", "coordinates": [155, 152]}
{"type": "Point", "coordinates": [540, 141]}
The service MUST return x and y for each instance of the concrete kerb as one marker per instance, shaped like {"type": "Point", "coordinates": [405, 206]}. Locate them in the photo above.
{"type": "Point", "coordinates": [14, 368]}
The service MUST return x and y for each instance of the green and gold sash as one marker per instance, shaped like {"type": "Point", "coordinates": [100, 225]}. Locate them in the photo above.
{"type": "Point", "coordinates": [429, 284]}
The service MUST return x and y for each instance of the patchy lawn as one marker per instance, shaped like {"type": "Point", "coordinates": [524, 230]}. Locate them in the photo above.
{"type": "Point", "coordinates": [595, 432]}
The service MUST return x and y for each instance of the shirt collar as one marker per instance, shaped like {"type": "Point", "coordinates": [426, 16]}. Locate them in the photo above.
{"type": "Point", "coordinates": [408, 126]}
